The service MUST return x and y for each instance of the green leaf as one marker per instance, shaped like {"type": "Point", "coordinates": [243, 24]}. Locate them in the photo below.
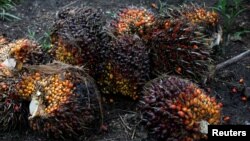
{"type": "Point", "coordinates": [240, 33]}
{"type": "Point", "coordinates": [11, 16]}
{"type": "Point", "coordinates": [239, 12]}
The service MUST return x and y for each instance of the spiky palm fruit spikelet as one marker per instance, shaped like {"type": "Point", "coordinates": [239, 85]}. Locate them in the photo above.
{"type": "Point", "coordinates": [126, 67]}
{"type": "Point", "coordinates": [76, 36]}
{"type": "Point", "coordinates": [25, 51]}
{"type": "Point", "coordinates": [175, 108]}
{"type": "Point", "coordinates": [13, 111]}
{"type": "Point", "coordinates": [180, 48]}
{"type": "Point", "coordinates": [133, 20]}
{"type": "Point", "coordinates": [65, 102]}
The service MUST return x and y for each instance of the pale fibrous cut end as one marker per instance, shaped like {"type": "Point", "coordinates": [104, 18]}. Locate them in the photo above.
{"type": "Point", "coordinates": [204, 126]}
{"type": "Point", "coordinates": [36, 107]}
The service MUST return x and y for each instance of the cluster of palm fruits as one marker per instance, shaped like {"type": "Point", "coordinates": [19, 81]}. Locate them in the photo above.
{"type": "Point", "coordinates": [57, 92]}
{"type": "Point", "coordinates": [121, 57]}
{"type": "Point", "coordinates": [26, 86]}
{"type": "Point", "coordinates": [65, 104]}
{"type": "Point", "coordinates": [126, 68]}
{"type": "Point", "coordinates": [28, 52]}
{"type": "Point", "coordinates": [175, 108]}
{"type": "Point", "coordinates": [133, 20]}
{"type": "Point", "coordinates": [76, 36]}
{"type": "Point", "coordinates": [24, 51]}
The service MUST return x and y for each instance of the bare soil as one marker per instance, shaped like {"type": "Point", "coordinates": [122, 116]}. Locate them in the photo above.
{"type": "Point", "coordinates": [121, 116]}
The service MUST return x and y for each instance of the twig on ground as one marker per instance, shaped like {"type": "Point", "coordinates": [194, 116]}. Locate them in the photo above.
{"type": "Point", "coordinates": [133, 134]}
{"type": "Point", "coordinates": [71, 3]}
{"type": "Point", "coordinates": [232, 60]}
{"type": "Point", "coordinates": [124, 124]}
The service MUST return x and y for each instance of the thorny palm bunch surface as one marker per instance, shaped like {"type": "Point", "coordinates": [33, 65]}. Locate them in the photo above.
{"type": "Point", "coordinates": [177, 109]}
{"type": "Point", "coordinates": [76, 36]}
{"type": "Point", "coordinates": [65, 102]}
{"type": "Point", "coordinates": [176, 49]}
{"type": "Point", "coordinates": [125, 68]}
{"type": "Point", "coordinates": [13, 111]}
{"type": "Point", "coordinates": [14, 114]}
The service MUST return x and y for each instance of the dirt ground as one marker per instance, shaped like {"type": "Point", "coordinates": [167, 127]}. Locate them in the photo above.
{"type": "Point", "coordinates": [121, 118]}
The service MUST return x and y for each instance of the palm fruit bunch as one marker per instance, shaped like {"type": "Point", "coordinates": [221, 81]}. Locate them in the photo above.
{"type": "Point", "coordinates": [64, 102]}
{"type": "Point", "coordinates": [25, 51]}
{"type": "Point", "coordinates": [13, 111]}
{"type": "Point", "coordinates": [125, 68]}
{"type": "Point", "coordinates": [133, 20]}
{"type": "Point", "coordinates": [76, 35]}
{"type": "Point", "coordinates": [177, 109]}
{"type": "Point", "coordinates": [181, 42]}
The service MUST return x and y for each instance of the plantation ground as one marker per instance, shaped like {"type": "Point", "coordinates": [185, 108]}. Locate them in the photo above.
{"type": "Point", "coordinates": [121, 118]}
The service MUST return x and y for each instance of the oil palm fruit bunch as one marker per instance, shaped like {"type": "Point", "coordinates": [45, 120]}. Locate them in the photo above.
{"type": "Point", "coordinates": [25, 51]}
{"type": "Point", "coordinates": [125, 68]}
{"type": "Point", "coordinates": [177, 51]}
{"type": "Point", "coordinates": [76, 35]}
{"type": "Point", "coordinates": [182, 41]}
{"type": "Point", "coordinates": [177, 109]}
{"type": "Point", "coordinates": [64, 103]}
{"type": "Point", "coordinates": [13, 111]}
{"type": "Point", "coordinates": [133, 20]}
